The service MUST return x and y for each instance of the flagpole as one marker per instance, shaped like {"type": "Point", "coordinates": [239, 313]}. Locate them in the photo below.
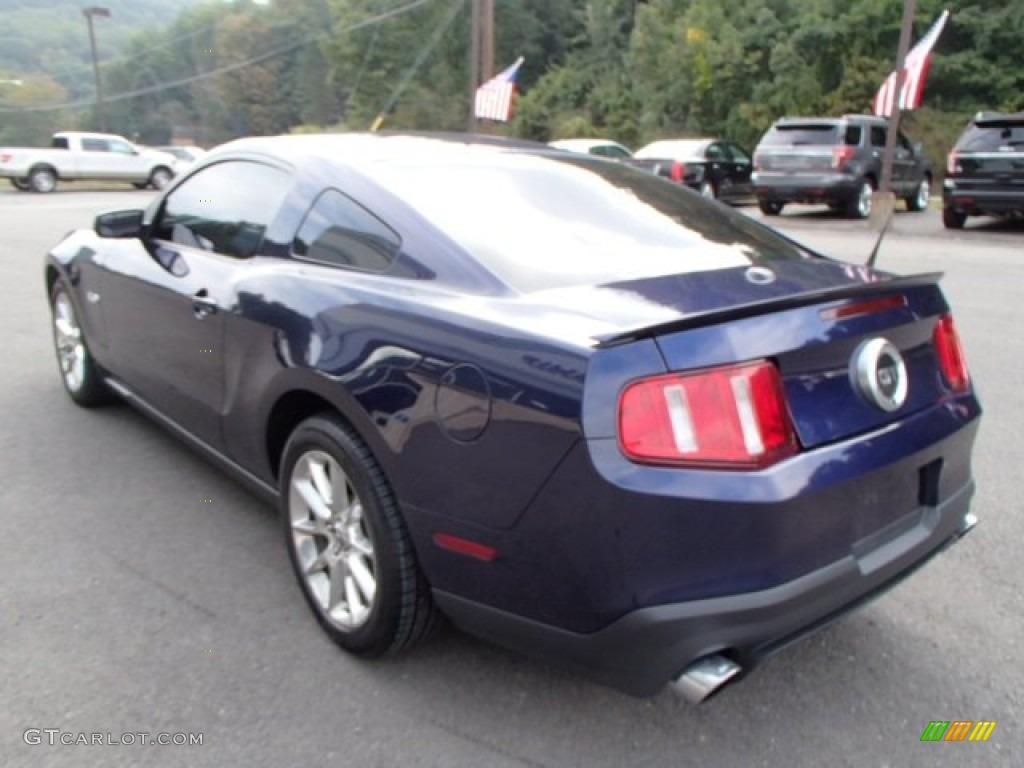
{"type": "Point", "coordinates": [884, 194]}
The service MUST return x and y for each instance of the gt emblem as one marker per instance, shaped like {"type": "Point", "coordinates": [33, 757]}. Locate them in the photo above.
{"type": "Point", "coordinates": [879, 374]}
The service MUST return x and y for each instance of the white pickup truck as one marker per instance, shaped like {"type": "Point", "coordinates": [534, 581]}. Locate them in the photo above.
{"type": "Point", "coordinates": [76, 156]}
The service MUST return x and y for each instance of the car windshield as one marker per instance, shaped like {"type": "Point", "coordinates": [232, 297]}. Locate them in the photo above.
{"type": "Point", "coordinates": [547, 222]}
{"type": "Point", "coordinates": [820, 134]}
{"type": "Point", "coordinates": [993, 136]}
{"type": "Point", "coordinates": [676, 150]}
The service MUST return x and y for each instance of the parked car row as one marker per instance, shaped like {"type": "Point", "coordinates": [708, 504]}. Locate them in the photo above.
{"type": "Point", "coordinates": [837, 161]}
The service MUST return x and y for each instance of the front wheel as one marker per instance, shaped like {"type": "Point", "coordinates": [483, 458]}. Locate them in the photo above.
{"type": "Point", "coordinates": [919, 200]}
{"type": "Point", "coordinates": [348, 544]}
{"type": "Point", "coordinates": [769, 208]}
{"type": "Point", "coordinates": [953, 219]}
{"type": "Point", "coordinates": [80, 374]}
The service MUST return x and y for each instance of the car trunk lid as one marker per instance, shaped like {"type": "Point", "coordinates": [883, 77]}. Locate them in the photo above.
{"type": "Point", "coordinates": [812, 319]}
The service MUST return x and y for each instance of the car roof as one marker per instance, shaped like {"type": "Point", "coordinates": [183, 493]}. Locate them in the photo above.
{"type": "Point", "coordinates": [91, 135]}
{"type": "Point", "coordinates": [831, 120]}
{"type": "Point", "coordinates": [365, 150]}
{"type": "Point", "coordinates": [582, 145]}
{"type": "Point", "coordinates": [675, 147]}
{"type": "Point", "coordinates": [996, 119]}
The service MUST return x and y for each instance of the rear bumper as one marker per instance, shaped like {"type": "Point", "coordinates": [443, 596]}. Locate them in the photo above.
{"type": "Point", "coordinates": [645, 649]}
{"type": "Point", "coordinates": [982, 201]}
{"type": "Point", "coordinates": [805, 188]}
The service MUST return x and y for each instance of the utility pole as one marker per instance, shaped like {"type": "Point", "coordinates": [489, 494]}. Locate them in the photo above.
{"type": "Point", "coordinates": [487, 42]}
{"type": "Point", "coordinates": [89, 12]}
{"type": "Point", "coordinates": [474, 62]}
{"type": "Point", "coordinates": [481, 56]}
{"type": "Point", "coordinates": [884, 194]}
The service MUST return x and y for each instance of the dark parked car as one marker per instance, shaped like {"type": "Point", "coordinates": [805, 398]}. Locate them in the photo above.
{"type": "Point", "coordinates": [714, 167]}
{"type": "Point", "coordinates": [579, 410]}
{"type": "Point", "coordinates": [985, 173]}
{"type": "Point", "coordinates": [835, 161]}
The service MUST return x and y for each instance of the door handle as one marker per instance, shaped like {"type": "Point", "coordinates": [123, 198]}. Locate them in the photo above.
{"type": "Point", "coordinates": [203, 304]}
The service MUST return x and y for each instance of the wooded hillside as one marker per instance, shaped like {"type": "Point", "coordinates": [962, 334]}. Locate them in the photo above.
{"type": "Point", "coordinates": [625, 69]}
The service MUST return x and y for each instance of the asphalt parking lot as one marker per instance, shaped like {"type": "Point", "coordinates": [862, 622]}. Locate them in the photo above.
{"type": "Point", "coordinates": [144, 591]}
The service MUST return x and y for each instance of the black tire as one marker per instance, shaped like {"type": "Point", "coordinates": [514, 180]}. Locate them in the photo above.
{"type": "Point", "coordinates": [953, 219]}
{"type": "Point", "coordinates": [770, 208]}
{"type": "Point", "coordinates": [20, 184]}
{"type": "Point", "coordinates": [859, 206]}
{"type": "Point", "coordinates": [919, 200]}
{"type": "Point", "coordinates": [160, 177]}
{"type": "Point", "coordinates": [84, 384]}
{"type": "Point", "coordinates": [400, 613]}
{"type": "Point", "coordinates": [42, 180]}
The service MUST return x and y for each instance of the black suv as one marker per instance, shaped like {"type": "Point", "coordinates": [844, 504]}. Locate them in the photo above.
{"type": "Point", "coordinates": [985, 172]}
{"type": "Point", "coordinates": [836, 161]}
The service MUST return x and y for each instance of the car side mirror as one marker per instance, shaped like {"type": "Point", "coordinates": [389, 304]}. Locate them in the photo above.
{"type": "Point", "coordinates": [119, 224]}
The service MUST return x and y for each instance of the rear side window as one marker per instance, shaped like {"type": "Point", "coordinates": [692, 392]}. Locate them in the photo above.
{"type": "Point", "coordinates": [993, 137]}
{"type": "Point", "coordinates": [339, 231]}
{"type": "Point", "coordinates": [59, 142]}
{"type": "Point", "coordinates": [609, 150]}
{"type": "Point", "coordinates": [818, 134]}
{"type": "Point", "coordinates": [224, 208]}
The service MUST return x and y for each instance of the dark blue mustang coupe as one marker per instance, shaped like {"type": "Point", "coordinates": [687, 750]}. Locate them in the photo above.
{"type": "Point", "coordinates": [575, 408]}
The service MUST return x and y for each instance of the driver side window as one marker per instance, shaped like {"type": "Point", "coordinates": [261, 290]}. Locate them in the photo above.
{"type": "Point", "coordinates": [224, 208]}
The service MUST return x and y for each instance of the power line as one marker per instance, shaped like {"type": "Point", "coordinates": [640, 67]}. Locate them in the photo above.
{"type": "Point", "coordinates": [380, 17]}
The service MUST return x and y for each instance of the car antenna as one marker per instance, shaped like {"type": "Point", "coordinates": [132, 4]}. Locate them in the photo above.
{"type": "Point", "coordinates": [889, 207]}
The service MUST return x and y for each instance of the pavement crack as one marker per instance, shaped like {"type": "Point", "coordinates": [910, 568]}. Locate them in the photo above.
{"type": "Point", "coordinates": [151, 580]}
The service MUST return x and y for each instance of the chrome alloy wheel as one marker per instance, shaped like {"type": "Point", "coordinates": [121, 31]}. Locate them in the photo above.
{"type": "Point", "coordinates": [924, 192]}
{"type": "Point", "coordinates": [68, 339]}
{"type": "Point", "coordinates": [333, 545]}
{"type": "Point", "coordinates": [864, 200]}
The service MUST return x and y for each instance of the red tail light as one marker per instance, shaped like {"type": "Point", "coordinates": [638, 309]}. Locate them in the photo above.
{"type": "Point", "coordinates": [841, 156]}
{"type": "Point", "coordinates": [677, 171]}
{"type": "Point", "coordinates": [950, 354]}
{"type": "Point", "coordinates": [5, 157]}
{"type": "Point", "coordinates": [951, 163]}
{"type": "Point", "coordinates": [732, 417]}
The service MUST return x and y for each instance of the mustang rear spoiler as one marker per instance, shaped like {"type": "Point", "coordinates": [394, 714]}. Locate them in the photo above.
{"type": "Point", "coordinates": [776, 304]}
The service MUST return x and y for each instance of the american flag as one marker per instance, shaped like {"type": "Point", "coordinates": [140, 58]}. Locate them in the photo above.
{"type": "Point", "coordinates": [494, 98]}
{"type": "Point", "coordinates": [915, 69]}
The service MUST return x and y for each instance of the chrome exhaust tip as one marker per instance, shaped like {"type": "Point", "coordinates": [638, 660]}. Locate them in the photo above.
{"type": "Point", "coordinates": [704, 677]}
{"type": "Point", "coordinates": [967, 524]}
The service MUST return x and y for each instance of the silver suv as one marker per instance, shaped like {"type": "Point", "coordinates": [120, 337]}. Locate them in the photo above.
{"type": "Point", "coordinates": [836, 161]}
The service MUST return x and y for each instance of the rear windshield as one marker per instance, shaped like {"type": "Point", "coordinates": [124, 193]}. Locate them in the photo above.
{"type": "Point", "coordinates": [996, 137]}
{"type": "Point", "coordinates": [819, 134]}
{"type": "Point", "coordinates": [541, 222]}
